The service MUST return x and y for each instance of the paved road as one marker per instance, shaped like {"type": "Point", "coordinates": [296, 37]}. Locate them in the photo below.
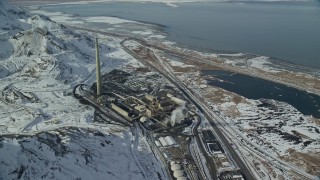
{"type": "Point", "coordinates": [240, 70]}
{"type": "Point", "coordinates": [244, 170]}
{"type": "Point", "coordinates": [210, 162]}
{"type": "Point", "coordinates": [87, 97]}
{"type": "Point", "coordinates": [154, 148]}
{"type": "Point", "coordinates": [188, 56]}
{"type": "Point", "coordinates": [183, 55]}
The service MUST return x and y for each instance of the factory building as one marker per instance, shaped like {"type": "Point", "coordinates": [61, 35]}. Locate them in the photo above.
{"type": "Point", "coordinates": [140, 108]}
{"type": "Point", "coordinates": [124, 110]}
{"type": "Point", "coordinates": [150, 98]}
{"type": "Point", "coordinates": [225, 164]}
{"type": "Point", "coordinates": [156, 104]}
{"type": "Point", "coordinates": [215, 148]}
{"type": "Point", "coordinates": [231, 175]}
{"type": "Point", "coordinates": [211, 143]}
{"type": "Point", "coordinates": [157, 143]}
{"type": "Point", "coordinates": [237, 177]}
{"type": "Point", "coordinates": [155, 112]}
{"type": "Point", "coordinates": [41, 31]}
{"type": "Point", "coordinates": [120, 110]}
{"type": "Point", "coordinates": [150, 123]}
{"type": "Point", "coordinates": [208, 136]}
{"type": "Point", "coordinates": [178, 101]}
{"type": "Point", "coordinates": [143, 110]}
{"type": "Point", "coordinates": [167, 141]}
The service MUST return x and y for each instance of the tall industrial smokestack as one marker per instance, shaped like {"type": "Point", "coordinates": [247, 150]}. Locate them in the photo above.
{"type": "Point", "coordinates": [98, 73]}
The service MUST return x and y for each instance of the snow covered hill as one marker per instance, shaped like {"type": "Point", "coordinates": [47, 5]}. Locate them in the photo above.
{"type": "Point", "coordinates": [76, 153]}
{"type": "Point", "coordinates": [44, 131]}
{"type": "Point", "coordinates": [39, 70]}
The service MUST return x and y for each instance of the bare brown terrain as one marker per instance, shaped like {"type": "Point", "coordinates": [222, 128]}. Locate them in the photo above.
{"type": "Point", "coordinates": [293, 79]}
{"type": "Point", "coordinates": [310, 162]}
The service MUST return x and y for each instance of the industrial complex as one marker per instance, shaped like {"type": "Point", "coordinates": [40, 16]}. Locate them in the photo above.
{"type": "Point", "coordinates": [145, 100]}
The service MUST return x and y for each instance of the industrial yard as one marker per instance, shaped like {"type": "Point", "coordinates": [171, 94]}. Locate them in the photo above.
{"type": "Point", "coordinates": [167, 119]}
{"type": "Point", "coordinates": [179, 128]}
{"type": "Point", "coordinates": [150, 103]}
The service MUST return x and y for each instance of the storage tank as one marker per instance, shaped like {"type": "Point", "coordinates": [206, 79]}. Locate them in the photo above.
{"type": "Point", "coordinates": [143, 119]}
{"type": "Point", "coordinates": [182, 178]}
{"type": "Point", "coordinates": [175, 167]}
{"type": "Point", "coordinates": [178, 173]}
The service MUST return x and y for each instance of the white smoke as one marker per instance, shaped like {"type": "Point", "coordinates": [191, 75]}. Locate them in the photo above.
{"type": "Point", "coordinates": [178, 114]}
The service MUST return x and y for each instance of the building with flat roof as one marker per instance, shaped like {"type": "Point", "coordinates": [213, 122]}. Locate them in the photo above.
{"type": "Point", "coordinates": [208, 136]}
{"type": "Point", "coordinates": [158, 143]}
{"type": "Point", "coordinates": [120, 110]}
{"type": "Point", "coordinates": [167, 141]}
{"type": "Point", "coordinates": [215, 148]}
{"type": "Point", "coordinates": [231, 175]}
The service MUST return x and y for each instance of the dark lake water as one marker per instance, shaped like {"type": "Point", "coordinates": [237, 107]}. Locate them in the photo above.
{"type": "Point", "coordinates": [285, 30]}
{"type": "Point", "coordinates": [254, 88]}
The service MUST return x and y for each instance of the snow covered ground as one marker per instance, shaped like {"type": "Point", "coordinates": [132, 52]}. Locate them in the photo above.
{"type": "Point", "coordinates": [45, 131]}
{"type": "Point", "coordinates": [69, 18]}
{"type": "Point", "coordinates": [38, 72]}
{"type": "Point", "coordinates": [155, 32]}
{"type": "Point", "coordinates": [111, 24]}
{"type": "Point", "coordinates": [276, 127]}
{"type": "Point", "coordinates": [77, 153]}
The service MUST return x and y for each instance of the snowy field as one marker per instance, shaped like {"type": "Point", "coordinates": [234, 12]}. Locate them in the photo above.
{"type": "Point", "coordinates": [77, 153]}
{"type": "Point", "coordinates": [45, 132]}
{"type": "Point", "coordinates": [38, 72]}
{"type": "Point", "coordinates": [274, 127]}
{"type": "Point", "coordinates": [155, 33]}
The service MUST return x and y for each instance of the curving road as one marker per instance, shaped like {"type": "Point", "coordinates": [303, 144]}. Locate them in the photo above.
{"type": "Point", "coordinates": [199, 104]}
{"type": "Point", "coordinates": [213, 118]}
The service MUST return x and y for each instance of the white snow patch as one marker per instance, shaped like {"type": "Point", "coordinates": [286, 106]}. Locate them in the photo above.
{"type": "Point", "coordinates": [142, 32]}
{"type": "Point", "coordinates": [179, 64]}
{"type": "Point", "coordinates": [109, 20]}
{"type": "Point", "coordinates": [262, 63]}
{"type": "Point", "coordinates": [157, 36]}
